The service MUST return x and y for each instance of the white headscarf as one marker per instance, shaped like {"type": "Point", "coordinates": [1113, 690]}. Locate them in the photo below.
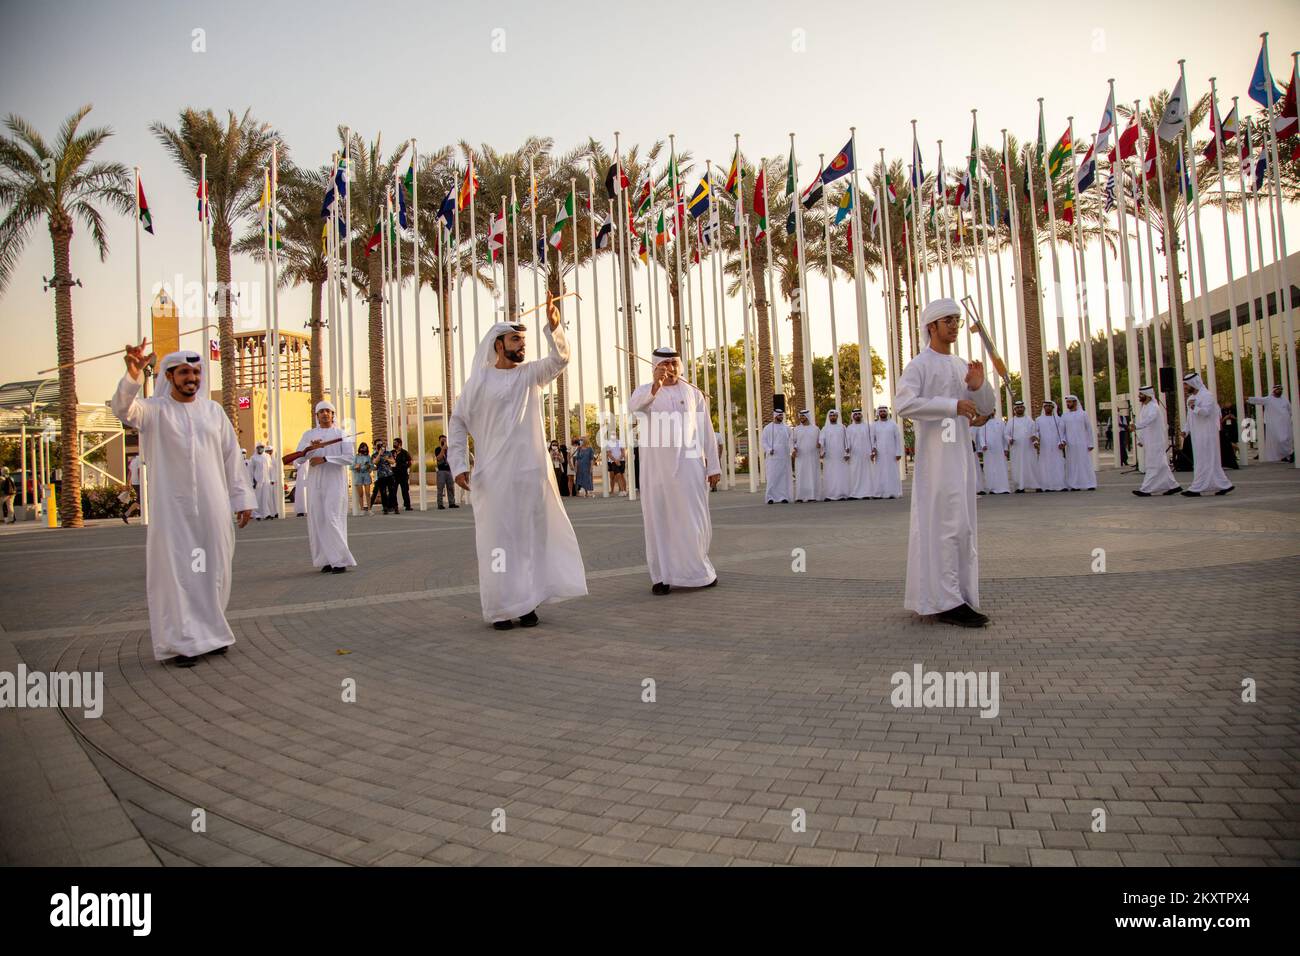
{"type": "Point", "coordinates": [939, 309]}
{"type": "Point", "coordinates": [1193, 379]}
{"type": "Point", "coordinates": [324, 404]}
{"type": "Point", "coordinates": [175, 359]}
{"type": "Point", "coordinates": [484, 358]}
{"type": "Point", "coordinates": [836, 413]}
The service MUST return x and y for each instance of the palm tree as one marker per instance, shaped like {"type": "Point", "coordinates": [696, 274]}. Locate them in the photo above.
{"type": "Point", "coordinates": [237, 151]}
{"type": "Point", "coordinates": [62, 185]}
{"type": "Point", "coordinates": [302, 259]}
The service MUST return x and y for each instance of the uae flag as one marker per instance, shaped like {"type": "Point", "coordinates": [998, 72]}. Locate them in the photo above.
{"type": "Point", "coordinates": [760, 203]}
{"type": "Point", "coordinates": [561, 219]}
{"type": "Point", "coordinates": [375, 239]}
{"type": "Point", "coordinates": [615, 180]}
{"type": "Point", "coordinates": [146, 218]}
{"type": "Point", "coordinates": [604, 233]}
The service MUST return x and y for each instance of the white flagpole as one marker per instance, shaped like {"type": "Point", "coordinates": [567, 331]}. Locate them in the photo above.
{"type": "Point", "coordinates": [1190, 168]}
{"type": "Point", "coordinates": [390, 363]}
{"type": "Point", "coordinates": [460, 305]}
{"type": "Point", "coordinates": [577, 309]}
{"type": "Point", "coordinates": [909, 257]}
{"type": "Point", "coordinates": [976, 218]}
{"type": "Point", "coordinates": [1110, 334]}
{"type": "Point", "coordinates": [351, 350]}
{"type": "Point", "coordinates": [704, 352]}
{"type": "Point", "coordinates": [866, 373]}
{"type": "Point", "coordinates": [1145, 218]}
{"type": "Point", "coordinates": [743, 239]}
{"type": "Point", "coordinates": [892, 319]}
{"type": "Point", "coordinates": [396, 253]}
{"type": "Point", "coordinates": [1170, 241]}
{"type": "Point", "coordinates": [895, 303]}
{"type": "Point", "coordinates": [1038, 275]}
{"type": "Point", "coordinates": [1220, 146]}
{"type": "Point", "coordinates": [1062, 353]}
{"type": "Point", "coordinates": [206, 350]}
{"type": "Point", "coordinates": [1191, 274]}
{"type": "Point", "coordinates": [1252, 316]}
{"type": "Point", "coordinates": [721, 364]}
{"type": "Point", "coordinates": [1264, 325]}
{"type": "Point", "coordinates": [688, 330]}
{"type": "Point", "coordinates": [830, 288]}
{"type": "Point", "coordinates": [139, 337]}
{"type": "Point", "coordinates": [419, 329]}
{"type": "Point", "coordinates": [673, 187]}
{"type": "Point", "coordinates": [331, 315]}
{"type": "Point", "coordinates": [940, 243]}
{"type": "Point", "coordinates": [796, 199]}
{"type": "Point", "coordinates": [1126, 272]}
{"type": "Point", "coordinates": [778, 373]}
{"type": "Point", "coordinates": [275, 328]}
{"type": "Point", "coordinates": [514, 244]}
{"type": "Point", "coordinates": [1013, 212]}
{"type": "Point", "coordinates": [984, 248]}
{"type": "Point", "coordinates": [473, 248]}
{"type": "Point", "coordinates": [918, 175]}
{"type": "Point", "coordinates": [595, 300]}
{"type": "Point", "coordinates": [1081, 300]}
{"type": "Point", "coordinates": [443, 337]}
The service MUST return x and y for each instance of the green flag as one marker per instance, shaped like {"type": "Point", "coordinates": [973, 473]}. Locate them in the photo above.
{"type": "Point", "coordinates": [565, 214]}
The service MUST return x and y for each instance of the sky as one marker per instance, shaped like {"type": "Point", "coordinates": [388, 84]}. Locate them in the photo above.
{"type": "Point", "coordinates": [497, 72]}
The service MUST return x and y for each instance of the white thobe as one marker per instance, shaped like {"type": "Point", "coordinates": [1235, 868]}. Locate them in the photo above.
{"type": "Point", "coordinates": [1024, 463]}
{"type": "Point", "coordinates": [1153, 436]}
{"type": "Point", "coordinates": [1278, 442]}
{"type": "Point", "coordinates": [678, 453]}
{"type": "Point", "coordinates": [1051, 459]}
{"type": "Point", "coordinates": [260, 466]}
{"type": "Point", "coordinates": [993, 443]}
{"type": "Point", "coordinates": [196, 480]}
{"type": "Point", "coordinates": [777, 442]}
{"type": "Point", "coordinates": [300, 488]}
{"type": "Point", "coordinates": [1079, 442]}
{"type": "Point", "coordinates": [833, 443]}
{"type": "Point", "coordinates": [250, 471]}
{"type": "Point", "coordinates": [889, 450]}
{"type": "Point", "coordinates": [527, 552]}
{"type": "Point", "coordinates": [806, 463]}
{"type": "Point", "coordinates": [942, 552]}
{"type": "Point", "coordinates": [861, 471]}
{"type": "Point", "coordinates": [1202, 424]}
{"type": "Point", "coordinates": [327, 483]}
{"type": "Point", "coordinates": [976, 443]}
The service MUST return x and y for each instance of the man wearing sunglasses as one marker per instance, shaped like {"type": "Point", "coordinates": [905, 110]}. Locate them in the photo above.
{"type": "Point", "coordinates": [197, 479]}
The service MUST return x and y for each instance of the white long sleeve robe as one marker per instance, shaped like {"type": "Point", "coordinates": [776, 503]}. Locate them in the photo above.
{"type": "Point", "coordinates": [833, 443]}
{"type": "Point", "coordinates": [777, 442]}
{"type": "Point", "coordinates": [888, 437]}
{"type": "Point", "coordinates": [197, 479]}
{"type": "Point", "coordinates": [300, 488]}
{"type": "Point", "coordinates": [1202, 424]}
{"type": "Point", "coordinates": [527, 552]}
{"type": "Point", "coordinates": [942, 546]}
{"type": "Point", "coordinates": [1153, 436]}
{"type": "Point", "coordinates": [327, 484]}
{"type": "Point", "coordinates": [1278, 441]}
{"type": "Point", "coordinates": [1051, 458]}
{"type": "Point", "coordinates": [993, 443]}
{"type": "Point", "coordinates": [678, 453]}
{"type": "Point", "coordinates": [807, 463]}
{"type": "Point", "coordinates": [861, 471]}
{"type": "Point", "coordinates": [1024, 463]}
{"type": "Point", "coordinates": [1079, 439]}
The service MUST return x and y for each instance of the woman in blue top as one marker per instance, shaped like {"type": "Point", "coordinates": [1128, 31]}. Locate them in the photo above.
{"type": "Point", "coordinates": [583, 456]}
{"type": "Point", "coordinates": [362, 469]}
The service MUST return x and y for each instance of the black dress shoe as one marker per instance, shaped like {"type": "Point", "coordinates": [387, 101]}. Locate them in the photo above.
{"type": "Point", "coordinates": [442, 507]}
{"type": "Point", "coordinates": [1191, 494]}
{"type": "Point", "coordinates": [1142, 494]}
{"type": "Point", "coordinates": [660, 589]}
{"type": "Point", "coordinates": [503, 625]}
{"type": "Point", "coordinates": [1020, 491]}
{"type": "Point", "coordinates": [182, 661]}
{"type": "Point", "coordinates": [529, 620]}
{"type": "Point", "coordinates": [1224, 491]}
{"type": "Point", "coordinates": [1174, 490]}
{"type": "Point", "coordinates": [338, 570]}
{"type": "Point", "coordinates": [326, 570]}
{"type": "Point", "coordinates": [963, 615]}
{"type": "Point", "coordinates": [219, 651]}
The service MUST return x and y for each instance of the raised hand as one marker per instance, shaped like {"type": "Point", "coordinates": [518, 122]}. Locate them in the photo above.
{"type": "Point", "coordinates": [974, 375]}
{"type": "Point", "coordinates": [136, 360]}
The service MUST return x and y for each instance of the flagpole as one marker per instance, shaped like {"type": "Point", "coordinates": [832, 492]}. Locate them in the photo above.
{"type": "Point", "coordinates": [1189, 167]}
{"type": "Point", "coordinates": [331, 315]}
{"type": "Point", "coordinates": [1017, 278]}
{"type": "Point", "coordinates": [595, 298]}
{"type": "Point", "coordinates": [896, 299]}
{"type": "Point", "coordinates": [892, 322]}
{"type": "Point", "coordinates": [988, 272]}
{"type": "Point", "coordinates": [386, 311]}
{"type": "Point", "coordinates": [460, 304]}
{"type": "Point", "coordinates": [139, 337]}
{"type": "Point", "coordinates": [1191, 275]}
{"type": "Point", "coordinates": [1170, 240]}
{"type": "Point", "coordinates": [206, 350]}
{"type": "Point", "coordinates": [347, 284]}
{"type": "Point", "coordinates": [951, 288]}
{"type": "Point", "coordinates": [704, 323]}
{"type": "Point", "coordinates": [909, 256]}
{"type": "Point", "coordinates": [722, 363]}
{"type": "Point", "coordinates": [1157, 333]}
{"type": "Point", "coordinates": [1286, 302]}
{"type": "Point", "coordinates": [830, 286]}
{"type": "Point", "coordinates": [268, 341]}
{"type": "Point", "coordinates": [914, 251]}
{"type": "Point", "coordinates": [274, 228]}
{"type": "Point", "coordinates": [400, 294]}
{"type": "Point", "coordinates": [1264, 325]}
{"type": "Point", "coordinates": [1081, 300]}
{"type": "Point", "coordinates": [677, 250]}
{"type": "Point", "coordinates": [944, 250]}
{"type": "Point", "coordinates": [866, 372]}
{"type": "Point", "coordinates": [743, 240]}
{"type": "Point", "coordinates": [1062, 352]}
{"type": "Point", "coordinates": [976, 215]}
{"type": "Point", "coordinates": [419, 329]}
{"type": "Point", "coordinates": [444, 331]}
{"type": "Point", "coordinates": [918, 175]}
{"type": "Point", "coordinates": [804, 311]}
{"type": "Point", "coordinates": [688, 330]}
{"type": "Point", "coordinates": [1252, 317]}
{"type": "Point", "coordinates": [1112, 382]}
{"type": "Point", "coordinates": [577, 310]}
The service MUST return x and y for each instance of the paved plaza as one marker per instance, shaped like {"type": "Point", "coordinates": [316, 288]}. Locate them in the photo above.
{"type": "Point", "coordinates": [1123, 630]}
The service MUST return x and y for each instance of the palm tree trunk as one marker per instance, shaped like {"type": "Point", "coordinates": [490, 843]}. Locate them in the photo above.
{"type": "Point", "coordinates": [225, 324]}
{"type": "Point", "coordinates": [445, 324]}
{"type": "Point", "coordinates": [70, 489]}
{"type": "Point", "coordinates": [1034, 394]}
{"type": "Point", "coordinates": [674, 295]}
{"type": "Point", "coordinates": [1176, 311]}
{"type": "Point", "coordinates": [555, 287]}
{"type": "Point", "coordinates": [317, 375]}
{"type": "Point", "coordinates": [766, 386]}
{"type": "Point", "coordinates": [378, 397]}
{"type": "Point", "coordinates": [512, 281]}
{"type": "Point", "coordinates": [801, 400]}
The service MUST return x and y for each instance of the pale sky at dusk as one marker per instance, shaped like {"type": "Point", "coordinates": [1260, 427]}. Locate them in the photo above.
{"type": "Point", "coordinates": [701, 71]}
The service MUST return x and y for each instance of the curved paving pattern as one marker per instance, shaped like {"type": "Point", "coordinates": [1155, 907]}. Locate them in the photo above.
{"type": "Point", "coordinates": [1119, 690]}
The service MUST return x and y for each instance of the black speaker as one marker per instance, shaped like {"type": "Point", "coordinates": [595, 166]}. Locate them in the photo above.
{"type": "Point", "coordinates": [1167, 383]}
{"type": "Point", "coordinates": [778, 402]}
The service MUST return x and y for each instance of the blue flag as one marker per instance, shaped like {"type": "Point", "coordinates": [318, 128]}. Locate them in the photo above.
{"type": "Point", "coordinates": [447, 211]}
{"type": "Point", "coordinates": [840, 165]}
{"type": "Point", "coordinates": [1261, 83]}
{"type": "Point", "coordinates": [402, 219]}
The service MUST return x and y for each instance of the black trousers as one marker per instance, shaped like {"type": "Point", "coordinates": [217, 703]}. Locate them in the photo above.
{"type": "Point", "coordinates": [403, 483]}
{"type": "Point", "coordinates": [387, 494]}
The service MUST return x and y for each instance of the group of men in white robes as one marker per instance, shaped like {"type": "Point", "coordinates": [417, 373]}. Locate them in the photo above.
{"type": "Point", "coordinates": [835, 462]}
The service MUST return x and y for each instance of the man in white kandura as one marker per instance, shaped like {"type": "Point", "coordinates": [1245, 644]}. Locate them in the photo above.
{"type": "Point", "coordinates": [888, 438]}
{"type": "Point", "coordinates": [527, 552]}
{"type": "Point", "coordinates": [329, 456]}
{"type": "Point", "coordinates": [1278, 442]}
{"type": "Point", "coordinates": [1153, 437]}
{"type": "Point", "coordinates": [833, 443]}
{"type": "Point", "coordinates": [1201, 425]}
{"type": "Point", "coordinates": [943, 394]}
{"type": "Point", "coordinates": [679, 466]}
{"type": "Point", "coordinates": [259, 469]}
{"type": "Point", "coordinates": [1049, 439]}
{"type": "Point", "coordinates": [197, 479]}
{"type": "Point", "coordinates": [1024, 461]}
{"type": "Point", "coordinates": [993, 444]}
{"type": "Point", "coordinates": [777, 445]}
{"type": "Point", "coordinates": [1079, 443]}
{"type": "Point", "coordinates": [860, 466]}
{"type": "Point", "coordinates": [807, 461]}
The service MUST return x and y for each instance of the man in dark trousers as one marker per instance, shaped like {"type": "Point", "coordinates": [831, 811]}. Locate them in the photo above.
{"type": "Point", "coordinates": [402, 473]}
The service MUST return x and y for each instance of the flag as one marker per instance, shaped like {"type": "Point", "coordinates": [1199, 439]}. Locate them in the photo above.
{"type": "Point", "coordinates": [1149, 160]}
{"type": "Point", "coordinates": [272, 233]}
{"type": "Point", "coordinates": [918, 173]}
{"type": "Point", "coordinates": [890, 192]}
{"type": "Point", "coordinates": [1220, 131]}
{"type": "Point", "coordinates": [760, 203]}
{"type": "Point", "coordinates": [1286, 125]}
{"type": "Point", "coordinates": [565, 214]}
{"type": "Point", "coordinates": [1127, 141]}
{"type": "Point", "coordinates": [615, 180]}
{"type": "Point", "coordinates": [447, 211]}
{"type": "Point", "coordinates": [1067, 210]}
{"type": "Point", "coordinates": [641, 253]}
{"type": "Point", "coordinates": [146, 218]}
{"type": "Point", "coordinates": [790, 185]}
{"type": "Point", "coordinates": [469, 187]}
{"type": "Point", "coordinates": [541, 250]}
{"type": "Point", "coordinates": [875, 220]}
{"type": "Point", "coordinates": [1107, 125]}
{"type": "Point", "coordinates": [813, 193]}
{"type": "Point", "coordinates": [202, 194]}
{"type": "Point", "coordinates": [1087, 172]}
{"type": "Point", "coordinates": [706, 233]}
{"type": "Point", "coordinates": [376, 237]}
{"type": "Point", "coordinates": [1261, 83]}
{"type": "Point", "coordinates": [645, 194]}
{"type": "Point", "coordinates": [496, 236]}
{"type": "Point", "coordinates": [402, 218]}
{"type": "Point", "coordinates": [841, 164]}
{"type": "Point", "coordinates": [1110, 192]}
{"type": "Point", "coordinates": [408, 181]}
{"type": "Point", "coordinates": [341, 177]}
{"type": "Point", "coordinates": [700, 200]}
{"type": "Point", "coordinates": [1260, 167]}
{"type": "Point", "coordinates": [604, 233]}
{"type": "Point", "coordinates": [963, 190]}
{"type": "Point", "coordinates": [940, 185]}
{"type": "Point", "coordinates": [1060, 153]}
{"type": "Point", "coordinates": [1183, 177]}
{"type": "Point", "coordinates": [324, 238]}
{"type": "Point", "coordinates": [732, 185]}
{"type": "Point", "coordinates": [1175, 114]}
